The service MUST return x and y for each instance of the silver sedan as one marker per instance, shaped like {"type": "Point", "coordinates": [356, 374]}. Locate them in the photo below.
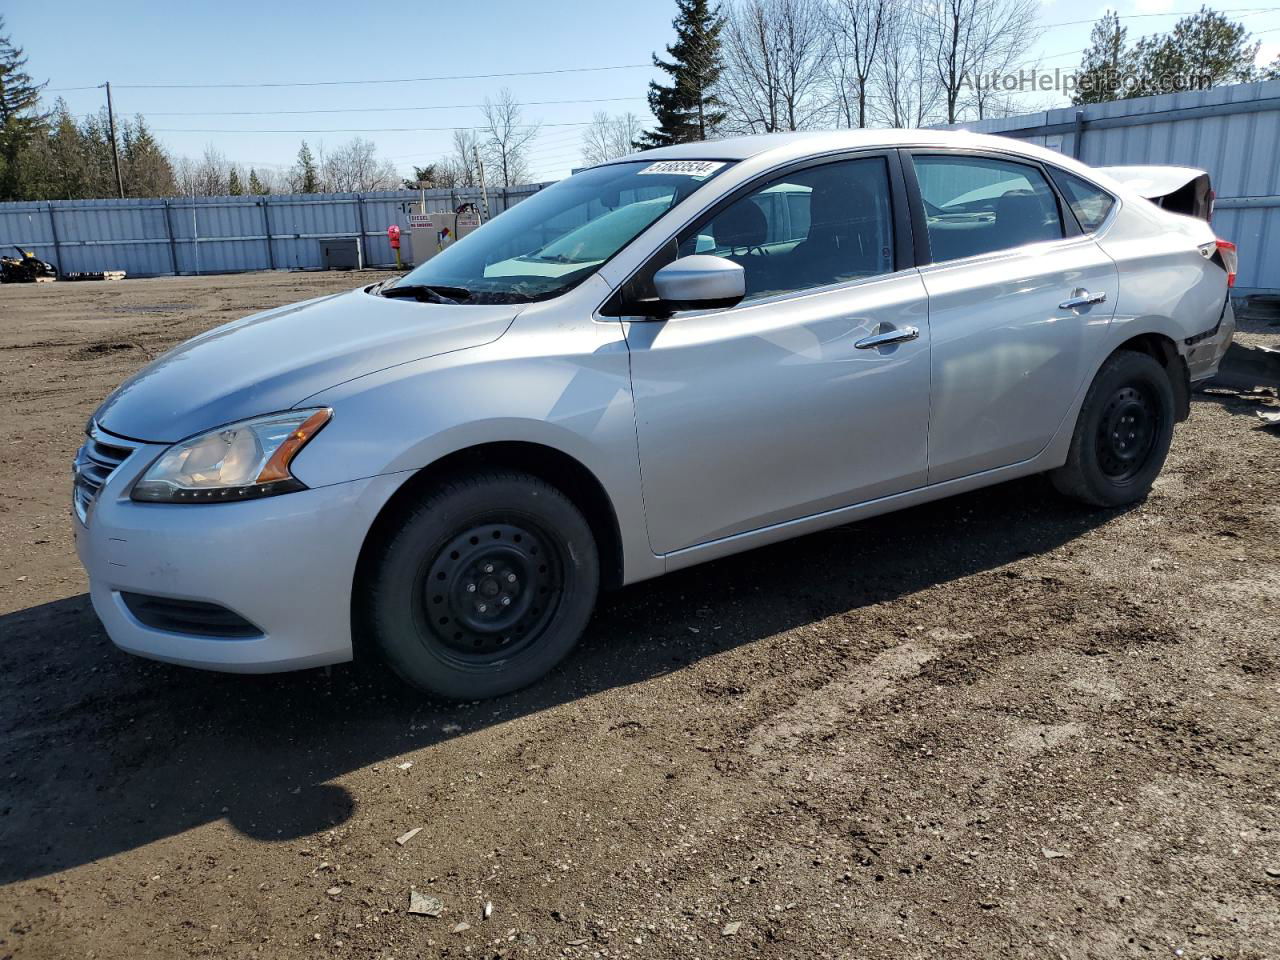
{"type": "Point", "coordinates": [659, 361]}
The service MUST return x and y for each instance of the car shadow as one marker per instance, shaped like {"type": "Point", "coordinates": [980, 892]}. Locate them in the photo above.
{"type": "Point", "coordinates": [103, 752]}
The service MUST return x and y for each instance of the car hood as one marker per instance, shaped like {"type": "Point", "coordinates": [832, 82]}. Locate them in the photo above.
{"type": "Point", "coordinates": [274, 360]}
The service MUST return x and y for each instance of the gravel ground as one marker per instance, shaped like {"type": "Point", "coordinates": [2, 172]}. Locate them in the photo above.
{"type": "Point", "coordinates": [994, 727]}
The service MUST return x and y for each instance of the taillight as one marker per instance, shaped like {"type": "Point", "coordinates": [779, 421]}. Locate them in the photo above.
{"type": "Point", "coordinates": [1223, 253]}
{"type": "Point", "coordinates": [1227, 250]}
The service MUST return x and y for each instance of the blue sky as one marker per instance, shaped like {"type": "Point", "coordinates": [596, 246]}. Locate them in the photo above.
{"type": "Point", "coordinates": [80, 44]}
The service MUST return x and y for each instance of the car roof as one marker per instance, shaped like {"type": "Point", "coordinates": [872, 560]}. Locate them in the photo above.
{"type": "Point", "coordinates": [788, 146]}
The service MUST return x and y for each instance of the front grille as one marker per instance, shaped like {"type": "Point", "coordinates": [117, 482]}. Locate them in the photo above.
{"type": "Point", "coordinates": [95, 462]}
{"type": "Point", "coordinates": [194, 617]}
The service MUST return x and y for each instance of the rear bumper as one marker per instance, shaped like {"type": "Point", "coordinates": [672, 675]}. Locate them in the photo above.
{"type": "Point", "coordinates": [284, 564]}
{"type": "Point", "coordinates": [1204, 352]}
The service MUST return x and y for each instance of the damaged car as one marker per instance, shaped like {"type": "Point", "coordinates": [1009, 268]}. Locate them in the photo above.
{"type": "Point", "coordinates": [660, 361]}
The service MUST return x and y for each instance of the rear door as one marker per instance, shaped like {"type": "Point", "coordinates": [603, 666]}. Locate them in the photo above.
{"type": "Point", "coordinates": [1019, 298]}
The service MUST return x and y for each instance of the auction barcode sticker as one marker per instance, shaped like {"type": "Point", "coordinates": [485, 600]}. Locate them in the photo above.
{"type": "Point", "coordinates": [698, 169]}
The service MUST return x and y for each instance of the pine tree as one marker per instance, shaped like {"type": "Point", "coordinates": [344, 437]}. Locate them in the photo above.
{"type": "Point", "coordinates": [95, 139]}
{"type": "Point", "coordinates": [424, 178]}
{"type": "Point", "coordinates": [148, 169]}
{"type": "Point", "coordinates": [233, 183]}
{"type": "Point", "coordinates": [687, 108]}
{"type": "Point", "coordinates": [1100, 78]}
{"type": "Point", "coordinates": [54, 163]}
{"type": "Point", "coordinates": [256, 186]}
{"type": "Point", "coordinates": [305, 175]}
{"type": "Point", "coordinates": [1203, 50]}
{"type": "Point", "coordinates": [20, 118]}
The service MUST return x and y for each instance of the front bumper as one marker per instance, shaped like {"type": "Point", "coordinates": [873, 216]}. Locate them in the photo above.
{"type": "Point", "coordinates": [285, 564]}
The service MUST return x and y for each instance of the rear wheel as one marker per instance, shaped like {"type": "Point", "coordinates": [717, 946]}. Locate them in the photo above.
{"type": "Point", "coordinates": [485, 585]}
{"type": "Point", "coordinates": [1123, 433]}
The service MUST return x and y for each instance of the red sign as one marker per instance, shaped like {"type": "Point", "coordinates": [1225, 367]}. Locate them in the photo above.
{"type": "Point", "coordinates": [393, 234]}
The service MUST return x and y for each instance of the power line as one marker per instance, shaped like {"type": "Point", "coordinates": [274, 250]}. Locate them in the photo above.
{"type": "Point", "coordinates": [442, 106]}
{"type": "Point", "coordinates": [1170, 13]}
{"type": "Point", "coordinates": [523, 126]}
{"type": "Point", "coordinates": [557, 141]}
{"type": "Point", "coordinates": [1070, 53]}
{"type": "Point", "coordinates": [343, 83]}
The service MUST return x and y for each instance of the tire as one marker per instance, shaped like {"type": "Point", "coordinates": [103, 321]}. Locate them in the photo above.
{"type": "Point", "coordinates": [1122, 435]}
{"type": "Point", "coordinates": [483, 586]}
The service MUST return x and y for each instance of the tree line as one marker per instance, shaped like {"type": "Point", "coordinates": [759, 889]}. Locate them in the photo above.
{"type": "Point", "coordinates": [1203, 50]}
{"type": "Point", "coordinates": [744, 66]}
{"type": "Point", "coordinates": [764, 66]}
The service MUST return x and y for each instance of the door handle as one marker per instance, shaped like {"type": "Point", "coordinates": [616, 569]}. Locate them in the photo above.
{"type": "Point", "coordinates": [888, 338]}
{"type": "Point", "coordinates": [1083, 299]}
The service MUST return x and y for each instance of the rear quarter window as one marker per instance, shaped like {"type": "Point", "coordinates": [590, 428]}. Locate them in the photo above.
{"type": "Point", "coordinates": [1090, 204]}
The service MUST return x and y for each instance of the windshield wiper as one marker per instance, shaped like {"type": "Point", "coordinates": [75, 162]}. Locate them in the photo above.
{"type": "Point", "coordinates": [554, 258]}
{"type": "Point", "coordinates": [428, 292]}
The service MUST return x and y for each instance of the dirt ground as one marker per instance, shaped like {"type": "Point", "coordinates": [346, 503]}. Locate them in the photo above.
{"type": "Point", "coordinates": [1000, 726]}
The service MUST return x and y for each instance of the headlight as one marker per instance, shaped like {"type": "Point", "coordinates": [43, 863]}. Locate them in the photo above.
{"type": "Point", "coordinates": [241, 461]}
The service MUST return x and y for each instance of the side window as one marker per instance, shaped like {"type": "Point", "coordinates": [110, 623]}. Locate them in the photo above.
{"type": "Point", "coordinates": [817, 226]}
{"type": "Point", "coordinates": [977, 205]}
{"type": "Point", "coordinates": [1090, 204]}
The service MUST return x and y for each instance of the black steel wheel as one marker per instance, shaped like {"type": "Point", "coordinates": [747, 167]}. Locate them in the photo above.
{"type": "Point", "coordinates": [482, 586]}
{"type": "Point", "coordinates": [1122, 434]}
{"type": "Point", "coordinates": [1127, 430]}
{"type": "Point", "coordinates": [492, 590]}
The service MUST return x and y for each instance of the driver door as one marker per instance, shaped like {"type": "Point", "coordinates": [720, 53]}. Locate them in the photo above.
{"type": "Point", "coordinates": [812, 393]}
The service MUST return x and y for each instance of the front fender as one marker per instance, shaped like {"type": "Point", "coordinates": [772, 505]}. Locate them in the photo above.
{"type": "Point", "coordinates": [567, 388]}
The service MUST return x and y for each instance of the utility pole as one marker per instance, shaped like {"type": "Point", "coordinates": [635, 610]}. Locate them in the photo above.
{"type": "Point", "coordinates": [115, 150]}
{"type": "Point", "coordinates": [484, 191]}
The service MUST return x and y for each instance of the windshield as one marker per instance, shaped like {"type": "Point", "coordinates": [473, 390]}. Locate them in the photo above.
{"type": "Point", "coordinates": [557, 238]}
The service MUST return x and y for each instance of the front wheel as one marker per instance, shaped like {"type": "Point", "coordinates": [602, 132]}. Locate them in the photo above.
{"type": "Point", "coordinates": [1122, 435]}
{"type": "Point", "coordinates": [483, 586]}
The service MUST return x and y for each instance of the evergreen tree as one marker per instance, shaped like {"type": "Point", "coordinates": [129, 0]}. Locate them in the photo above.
{"type": "Point", "coordinates": [687, 108]}
{"type": "Point", "coordinates": [20, 118]}
{"type": "Point", "coordinates": [95, 139]}
{"type": "Point", "coordinates": [55, 164]}
{"type": "Point", "coordinates": [305, 175]}
{"type": "Point", "coordinates": [233, 183]}
{"type": "Point", "coordinates": [1100, 78]}
{"type": "Point", "coordinates": [147, 168]}
{"type": "Point", "coordinates": [256, 186]}
{"type": "Point", "coordinates": [424, 178]}
{"type": "Point", "coordinates": [1203, 50]}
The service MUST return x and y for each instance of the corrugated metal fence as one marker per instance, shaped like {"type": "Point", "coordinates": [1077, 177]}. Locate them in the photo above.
{"type": "Point", "coordinates": [1232, 132]}
{"type": "Point", "coordinates": [187, 235]}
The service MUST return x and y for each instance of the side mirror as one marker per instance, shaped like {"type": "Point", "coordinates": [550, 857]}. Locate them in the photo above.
{"type": "Point", "coordinates": [700, 282]}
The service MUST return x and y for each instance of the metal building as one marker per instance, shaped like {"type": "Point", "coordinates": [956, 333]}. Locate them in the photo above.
{"type": "Point", "coordinates": [1232, 132]}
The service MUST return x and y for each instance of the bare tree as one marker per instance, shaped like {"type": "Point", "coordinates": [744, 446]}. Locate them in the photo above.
{"type": "Point", "coordinates": [608, 138]}
{"type": "Point", "coordinates": [987, 97]}
{"type": "Point", "coordinates": [908, 87]}
{"type": "Point", "coordinates": [859, 30]}
{"type": "Point", "coordinates": [775, 62]}
{"type": "Point", "coordinates": [506, 139]}
{"type": "Point", "coordinates": [356, 167]}
{"type": "Point", "coordinates": [461, 161]}
{"type": "Point", "coordinates": [206, 177]}
{"type": "Point", "coordinates": [969, 38]}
